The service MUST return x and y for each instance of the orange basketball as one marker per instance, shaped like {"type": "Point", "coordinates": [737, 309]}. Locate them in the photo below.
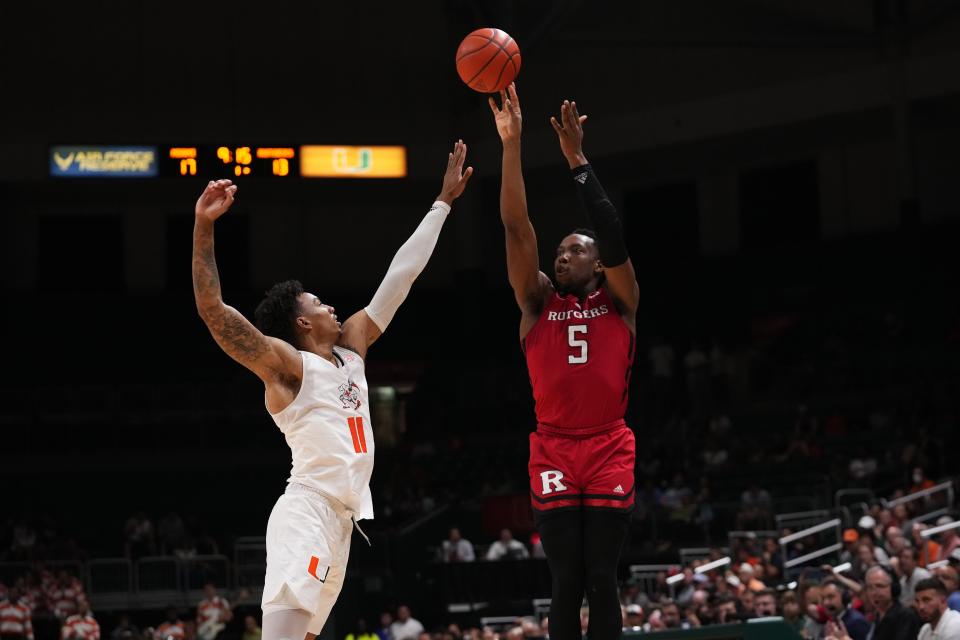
{"type": "Point", "coordinates": [488, 60]}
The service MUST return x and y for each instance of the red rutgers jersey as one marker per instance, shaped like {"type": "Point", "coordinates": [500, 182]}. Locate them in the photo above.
{"type": "Point", "coordinates": [579, 358]}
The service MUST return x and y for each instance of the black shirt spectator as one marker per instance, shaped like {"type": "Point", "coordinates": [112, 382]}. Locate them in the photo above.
{"type": "Point", "coordinates": [900, 623]}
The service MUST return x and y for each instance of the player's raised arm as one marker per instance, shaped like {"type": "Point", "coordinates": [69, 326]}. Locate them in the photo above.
{"type": "Point", "coordinates": [523, 261]}
{"type": "Point", "coordinates": [364, 327]}
{"type": "Point", "coordinates": [263, 355]}
{"type": "Point", "coordinates": [621, 279]}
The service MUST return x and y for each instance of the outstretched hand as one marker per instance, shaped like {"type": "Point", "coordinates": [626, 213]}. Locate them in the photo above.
{"type": "Point", "coordinates": [570, 132]}
{"type": "Point", "coordinates": [216, 199]}
{"type": "Point", "coordinates": [507, 116]}
{"type": "Point", "coordinates": [455, 178]}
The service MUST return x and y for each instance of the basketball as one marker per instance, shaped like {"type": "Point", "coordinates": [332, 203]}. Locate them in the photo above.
{"type": "Point", "coordinates": [488, 60]}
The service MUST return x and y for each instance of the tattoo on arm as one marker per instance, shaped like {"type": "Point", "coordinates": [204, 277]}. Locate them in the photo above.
{"type": "Point", "coordinates": [234, 333]}
{"type": "Point", "coordinates": [206, 279]}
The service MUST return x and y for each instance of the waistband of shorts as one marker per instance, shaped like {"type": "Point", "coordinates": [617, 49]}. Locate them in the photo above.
{"type": "Point", "coordinates": [580, 432]}
{"type": "Point", "coordinates": [338, 507]}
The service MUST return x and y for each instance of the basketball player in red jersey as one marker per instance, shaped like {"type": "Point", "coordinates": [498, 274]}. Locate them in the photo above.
{"type": "Point", "coordinates": [578, 338]}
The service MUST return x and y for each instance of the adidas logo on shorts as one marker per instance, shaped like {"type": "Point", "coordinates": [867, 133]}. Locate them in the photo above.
{"type": "Point", "coordinates": [618, 489]}
{"type": "Point", "coordinates": [582, 178]}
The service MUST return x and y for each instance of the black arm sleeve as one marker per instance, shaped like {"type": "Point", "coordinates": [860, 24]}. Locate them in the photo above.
{"type": "Point", "coordinates": [603, 216]}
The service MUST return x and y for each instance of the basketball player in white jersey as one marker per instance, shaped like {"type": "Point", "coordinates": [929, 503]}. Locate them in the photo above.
{"type": "Point", "coordinates": [312, 369]}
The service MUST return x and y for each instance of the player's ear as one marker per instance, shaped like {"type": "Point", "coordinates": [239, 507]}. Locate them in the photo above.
{"type": "Point", "coordinates": [598, 267]}
{"type": "Point", "coordinates": [304, 323]}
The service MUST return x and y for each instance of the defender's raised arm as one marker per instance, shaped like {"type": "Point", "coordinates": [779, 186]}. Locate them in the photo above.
{"type": "Point", "coordinates": [364, 327]}
{"type": "Point", "coordinates": [263, 355]}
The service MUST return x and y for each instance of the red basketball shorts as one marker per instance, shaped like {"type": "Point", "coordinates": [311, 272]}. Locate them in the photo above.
{"type": "Point", "coordinates": [594, 471]}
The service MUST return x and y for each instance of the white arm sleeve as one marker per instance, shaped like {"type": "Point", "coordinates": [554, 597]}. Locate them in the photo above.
{"type": "Point", "coordinates": [410, 260]}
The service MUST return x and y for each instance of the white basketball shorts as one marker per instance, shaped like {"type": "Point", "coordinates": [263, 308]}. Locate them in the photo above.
{"type": "Point", "coordinates": [308, 543]}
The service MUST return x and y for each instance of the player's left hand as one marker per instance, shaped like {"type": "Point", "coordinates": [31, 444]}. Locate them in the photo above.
{"type": "Point", "coordinates": [570, 131]}
{"type": "Point", "coordinates": [455, 178]}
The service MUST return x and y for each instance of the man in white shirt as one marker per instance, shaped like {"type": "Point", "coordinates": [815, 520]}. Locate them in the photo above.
{"type": "Point", "coordinates": [457, 548]}
{"type": "Point", "coordinates": [910, 574]}
{"type": "Point", "coordinates": [507, 548]}
{"type": "Point", "coordinates": [405, 627]}
{"type": "Point", "coordinates": [942, 623]}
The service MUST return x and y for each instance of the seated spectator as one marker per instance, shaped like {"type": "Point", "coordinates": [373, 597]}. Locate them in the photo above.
{"type": "Point", "coordinates": [124, 629]}
{"type": "Point", "coordinates": [920, 480]}
{"type": "Point", "coordinates": [16, 620]}
{"type": "Point", "coordinates": [949, 540]}
{"type": "Point", "coordinates": [213, 613]}
{"type": "Point", "coordinates": [383, 631]}
{"type": "Point", "coordinates": [63, 597]}
{"type": "Point", "coordinates": [172, 627]}
{"type": "Point", "coordinates": [633, 617]}
{"type": "Point", "coordinates": [790, 610]}
{"type": "Point", "coordinates": [894, 541]}
{"type": "Point", "coordinates": [765, 603]}
{"type": "Point", "coordinates": [139, 537]}
{"type": "Point", "coordinates": [755, 505]}
{"type": "Point", "coordinates": [748, 581]}
{"type": "Point", "coordinates": [891, 619]}
{"type": "Point", "coordinates": [505, 547]}
{"type": "Point", "coordinates": [405, 627]}
{"type": "Point", "coordinates": [745, 604]}
{"type": "Point", "coordinates": [670, 615]}
{"type": "Point", "coordinates": [81, 625]}
{"type": "Point", "coordinates": [251, 629]}
{"type": "Point", "coordinates": [927, 548]}
{"type": "Point", "coordinates": [834, 598]}
{"type": "Point", "coordinates": [457, 548]}
{"type": "Point", "coordinates": [948, 576]}
{"type": "Point", "coordinates": [530, 628]}
{"type": "Point", "coordinates": [360, 632]}
{"type": "Point", "coordinates": [939, 620]}
{"type": "Point", "coordinates": [910, 575]}
{"type": "Point", "coordinates": [810, 601]}
{"type": "Point", "coordinates": [726, 609]}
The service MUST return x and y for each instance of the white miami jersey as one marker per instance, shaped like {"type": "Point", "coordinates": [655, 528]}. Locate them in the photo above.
{"type": "Point", "coordinates": [327, 428]}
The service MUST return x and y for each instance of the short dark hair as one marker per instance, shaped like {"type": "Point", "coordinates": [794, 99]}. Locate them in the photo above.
{"type": "Point", "coordinates": [583, 231]}
{"type": "Point", "coordinates": [277, 313]}
{"type": "Point", "coordinates": [832, 582]}
{"type": "Point", "coordinates": [914, 552]}
{"type": "Point", "coordinates": [931, 583]}
{"type": "Point", "coordinates": [765, 592]}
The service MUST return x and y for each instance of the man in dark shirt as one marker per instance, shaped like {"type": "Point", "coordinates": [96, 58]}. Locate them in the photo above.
{"type": "Point", "coordinates": [893, 621]}
{"type": "Point", "coordinates": [831, 598]}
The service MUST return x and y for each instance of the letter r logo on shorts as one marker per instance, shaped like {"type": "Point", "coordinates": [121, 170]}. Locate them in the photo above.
{"type": "Point", "coordinates": [312, 569]}
{"type": "Point", "coordinates": [551, 481]}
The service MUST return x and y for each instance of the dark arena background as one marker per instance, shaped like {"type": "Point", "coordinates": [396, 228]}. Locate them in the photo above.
{"type": "Point", "coordinates": [788, 173]}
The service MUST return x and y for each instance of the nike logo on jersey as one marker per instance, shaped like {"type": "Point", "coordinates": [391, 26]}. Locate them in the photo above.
{"type": "Point", "coordinates": [312, 569]}
{"type": "Point", "coordinates": [618, 489]}
{"type": "Point", "coordinates": [602, 310]}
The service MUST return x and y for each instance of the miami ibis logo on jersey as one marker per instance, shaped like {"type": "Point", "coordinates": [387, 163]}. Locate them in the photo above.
{"type": "Point", "coordinates": [350, 395]}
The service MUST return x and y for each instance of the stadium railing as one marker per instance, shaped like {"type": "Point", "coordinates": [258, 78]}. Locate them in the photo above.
{"type": "Point", "coordinates": [760, 629]}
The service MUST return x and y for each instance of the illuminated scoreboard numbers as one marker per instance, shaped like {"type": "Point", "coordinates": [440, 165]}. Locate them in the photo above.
{"type": "Point", "coordinates": [188, 159]}
{"type": "Point", "coordinates": [242, 159]}
{"type": "Point", "coordinates": [280, 158]}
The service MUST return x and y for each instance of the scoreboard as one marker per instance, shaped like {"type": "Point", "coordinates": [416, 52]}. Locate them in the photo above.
{"type": "Point", "coordinates": [221, 161]}
{"type": "Point", "coordinates": [236, 161]}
